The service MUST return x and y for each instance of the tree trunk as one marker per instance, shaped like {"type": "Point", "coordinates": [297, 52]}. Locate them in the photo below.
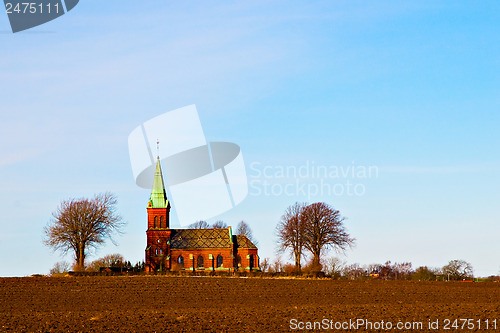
{"type": "Point", "coordinates": [297, 261]}
{"type": "Point", "coordinates": [316, 266]}
{"type": "Point", "coordinates": [80, 258]}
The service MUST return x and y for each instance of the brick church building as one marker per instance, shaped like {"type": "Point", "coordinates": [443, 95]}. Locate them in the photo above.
{"type": "Point", "coordinates": [192, 249]}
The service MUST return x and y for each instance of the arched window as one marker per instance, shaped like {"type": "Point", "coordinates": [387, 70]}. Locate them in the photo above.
{"type": "Point", "coordinates": [162, 222]}
{"type": "Point", "coordinates": [219, 261]}
{"type": "Point", "coordinates": [200, 261]}
{"type": "Point", "coordinates": [180, 261]}
{"type": "Point", "coordinates": [156, 222]}
{"type": "Point", "coordinates": [251, 262]}
{"type": "Point", "coordinates": [156, 252]}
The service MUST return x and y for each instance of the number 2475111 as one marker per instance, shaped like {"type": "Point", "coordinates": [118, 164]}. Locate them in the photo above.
{"type": "Point", "coordinates": [31, 8]}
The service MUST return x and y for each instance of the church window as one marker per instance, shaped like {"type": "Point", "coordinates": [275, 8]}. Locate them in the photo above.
{"type": "Point", "coordinates": [200, 261]}
{"type": "Point", "coordinates": [238, 260]}
{"type": "Point", "coordinates": [156, 252]}
{"type": "Point", "coordinates": [180, 261]}
{"type": "Point", "coordinates": [219, 261]}
{"type": "Point", "coordinates": [251, 261]}
{"type": "Point", "coordinates": [156, 222]}
{"type": "Point", "coordinates": [162, 222]}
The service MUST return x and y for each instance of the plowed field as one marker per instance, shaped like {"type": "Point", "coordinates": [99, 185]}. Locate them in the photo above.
{"type": "Point", "coordinates": [191, 304]}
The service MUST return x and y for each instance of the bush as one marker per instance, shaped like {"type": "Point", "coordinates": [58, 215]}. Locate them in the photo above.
{"type": "Point", "coordinates": [289, 269]}
{"type": "Point", "coordinates": [423, 273]}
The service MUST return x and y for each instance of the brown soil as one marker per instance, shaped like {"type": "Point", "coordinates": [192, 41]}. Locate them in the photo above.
{"type": "Point", "coordinates": [191, 304]}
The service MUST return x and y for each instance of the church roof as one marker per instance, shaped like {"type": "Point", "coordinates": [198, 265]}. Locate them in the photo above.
{"type": "Point", "coordinates": [200, 238]}
{"type": "Point", "coordinates": [243, 242]}
{"type": "Point", "coordinates": [158, 194]}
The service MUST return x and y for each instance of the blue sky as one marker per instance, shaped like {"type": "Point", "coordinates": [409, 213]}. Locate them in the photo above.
{"type": "Point", "coordinates": [411, 88]}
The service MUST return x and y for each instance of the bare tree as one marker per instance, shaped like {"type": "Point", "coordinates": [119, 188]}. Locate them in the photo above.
{"type": "Point", "coordinates": [373, 269]}
{"type": "Point", "coordinates": [354, 271]}
{"type": "Point", "coordinates": [334, 267]}
{"type": "Point", "coordinates": [80, 224]}
{"type": "Point", "coordinates": [199, 225]}
{"type": "Point", "coordinates": [276, 266]}
{"type": "Point", "coordinates": [59, 268]}
{"type": "Point", "coordinates": [386, 270]}
{"type": "Point", "coordinates": [458, 270]}
{"type": "Point", "coordinates": [265, 264]}
{"type": "Point", "coordinates": [244, 229]}
{"type": "Point", "coordinates": [402, 270]}
{"type": "Point", "coordinates": [110, 260]}
{"type": "Point", "coordinates": [219, 225]}
{"type": "Point", "coordinates": [323, 230]}
{"type": "Point", "coordinates": [290, 232]}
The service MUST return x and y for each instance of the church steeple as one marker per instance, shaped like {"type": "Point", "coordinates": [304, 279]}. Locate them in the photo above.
{"type": "Point", "coordinates": [158, 194]}
{"type": "Point", "coordinates": [158, 232]}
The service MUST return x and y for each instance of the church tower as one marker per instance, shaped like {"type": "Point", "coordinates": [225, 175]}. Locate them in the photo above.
{"type": "Point", "coordinates": [158, 232]}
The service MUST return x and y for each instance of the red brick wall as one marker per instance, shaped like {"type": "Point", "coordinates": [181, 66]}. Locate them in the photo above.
{"type": "Point", "coordinates": [208, 264]}
{"type": "Point", "coordinates": [157, 238]}
{"type": "Point", "coordinates": [245, 262]}
{"type": "Point", "coordinates": [158, 213]}
{"type": "Point", "coordinates": [191, 256]}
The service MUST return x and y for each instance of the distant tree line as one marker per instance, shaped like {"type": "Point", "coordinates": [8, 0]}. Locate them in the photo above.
{"type": "Point", "coordinates": [333, 267]}
{"type": "Point", "coordinates": [115, 261]}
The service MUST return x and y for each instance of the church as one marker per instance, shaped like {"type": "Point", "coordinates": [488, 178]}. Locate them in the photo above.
{"type": "Point", "coordinates": [192, 249]}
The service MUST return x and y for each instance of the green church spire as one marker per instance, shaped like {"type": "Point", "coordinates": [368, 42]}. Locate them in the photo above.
{"type": "Point", "coordinates": [158, 194]}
